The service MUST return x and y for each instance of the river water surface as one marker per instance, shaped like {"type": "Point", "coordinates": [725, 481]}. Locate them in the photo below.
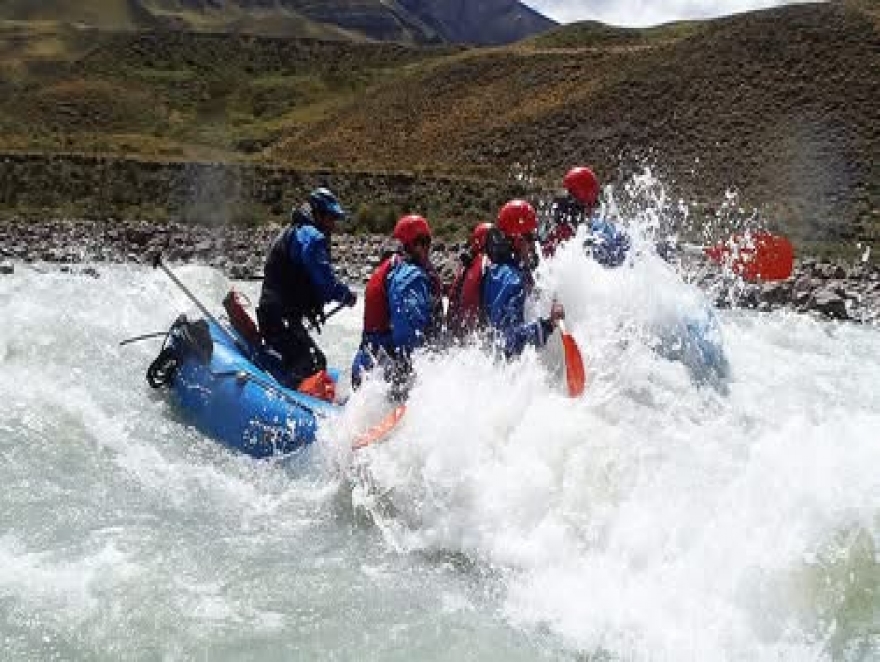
{"type": "Point", "coordinates": [663, 516]}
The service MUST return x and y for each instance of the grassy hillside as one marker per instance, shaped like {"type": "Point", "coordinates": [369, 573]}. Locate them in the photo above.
{"type": "Point", "coordinates": [178, 95]}
{"type": "Point", "coordinates": [780, 105]}
{"type": "Point", "coordinates": [108, 14]}
{"type": "Point", "coordinates": [592, 34]}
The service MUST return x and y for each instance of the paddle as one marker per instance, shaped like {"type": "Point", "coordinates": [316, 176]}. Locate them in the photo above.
{"type": "Point", "coordinates": [575, 375]}
{"type": "Point", "coordinates": [381, 430]}
{"type": "Point", "coordinates": [755, 256]}
{"type": "Point", "coordinates": [158, 264]}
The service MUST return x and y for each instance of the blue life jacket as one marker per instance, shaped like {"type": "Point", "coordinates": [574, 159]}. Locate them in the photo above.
{"type": "Point", "coordinates": [298, 278]}
{"type": "Point", "coordinates": [410, 307]}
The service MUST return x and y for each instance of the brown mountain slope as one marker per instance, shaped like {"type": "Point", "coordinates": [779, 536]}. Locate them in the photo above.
{"type": "Point", "coordinates": [781, 105]}
{"type": "Point", "coordinates": [415, 21]}
{"type": "Point", "coordinates": [269, 18]}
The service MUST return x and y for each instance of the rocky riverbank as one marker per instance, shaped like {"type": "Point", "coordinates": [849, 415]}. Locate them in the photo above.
{"type": "Point", "coordinates": [830, 290]}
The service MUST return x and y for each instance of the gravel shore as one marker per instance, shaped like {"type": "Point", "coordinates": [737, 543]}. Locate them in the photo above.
{"type": "Point", "coordinates": [827, 289]}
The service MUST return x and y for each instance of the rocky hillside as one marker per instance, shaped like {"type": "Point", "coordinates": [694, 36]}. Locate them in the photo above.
{"type": "Point", "coordinates": [779, 105]}
{"type": "Point", "coordinates": [414, 21]}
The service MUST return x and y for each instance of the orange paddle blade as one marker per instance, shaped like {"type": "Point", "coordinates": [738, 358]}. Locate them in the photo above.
{"type": "Point", "coordinates": [575, 375]}
{"type": "Point", "coordinates": [759, 256]}
{"type": "Point", "coordinates": [381, 430]}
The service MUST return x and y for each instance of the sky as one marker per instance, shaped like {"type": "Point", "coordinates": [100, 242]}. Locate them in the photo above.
{"type": "Point", "coordinates": [640, 13]}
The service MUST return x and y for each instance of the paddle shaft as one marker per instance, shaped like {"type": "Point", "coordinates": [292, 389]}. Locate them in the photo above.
{"type": "Point", "coordinates": [192, 297]}
{"type": "Point", "coordinates": [146, 336]}
{"type": "Point", "coordinates": [158, 263]}
{"type": "Point", "coordinates": [334, 310]}
{"type": "Point", "coordinates": [692, 249]}
{"type": "Point", "coordinates": [696, 249]}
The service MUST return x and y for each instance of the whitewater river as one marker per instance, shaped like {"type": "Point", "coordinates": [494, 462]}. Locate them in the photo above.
{"type": "Point", "coordinates": [663, 516]}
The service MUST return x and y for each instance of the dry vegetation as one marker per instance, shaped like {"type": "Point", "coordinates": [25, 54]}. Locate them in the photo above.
{"type": "Point", "coordinates": [781, 105]}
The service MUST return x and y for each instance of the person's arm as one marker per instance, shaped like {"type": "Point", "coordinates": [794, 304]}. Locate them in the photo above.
{"type": "Point", "coordinates": [506, 306]}
{"type": "Point", "coordinates": [316, 260]}
{"type": "Point", "coordinates": [609, 243]}
{"type": "Point", "coordinates": [561, 233]}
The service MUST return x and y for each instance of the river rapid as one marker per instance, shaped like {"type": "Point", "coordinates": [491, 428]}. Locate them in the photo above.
{"type": "Point", "coordinates": [666, 515]}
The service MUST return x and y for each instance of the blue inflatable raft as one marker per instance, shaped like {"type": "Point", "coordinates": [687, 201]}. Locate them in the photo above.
{"type": "Point", "coordinates": [214, 379]}
{"type": "Point", "coordinates": [698, 343]}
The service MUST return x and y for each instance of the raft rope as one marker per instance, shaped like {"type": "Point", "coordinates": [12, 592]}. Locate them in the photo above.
{"type": "Point", "coordinates": [162, 369]}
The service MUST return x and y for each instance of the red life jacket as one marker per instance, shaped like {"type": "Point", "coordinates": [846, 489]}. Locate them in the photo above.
{"type": "Point", "coordinates": [377, 315]}
{"type": "Point", "coordinates": [466, 296]}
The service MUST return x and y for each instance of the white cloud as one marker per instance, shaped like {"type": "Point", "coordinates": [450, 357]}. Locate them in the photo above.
{"type": "Point", "coordinates": [639, 13]}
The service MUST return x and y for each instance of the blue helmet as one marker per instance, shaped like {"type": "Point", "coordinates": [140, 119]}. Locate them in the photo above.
{"type": "Point", "coordinates": [322, 201]}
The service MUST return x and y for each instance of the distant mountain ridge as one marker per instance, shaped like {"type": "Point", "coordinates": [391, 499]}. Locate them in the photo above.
{"type": "Point", "coordinates": [480, 22]}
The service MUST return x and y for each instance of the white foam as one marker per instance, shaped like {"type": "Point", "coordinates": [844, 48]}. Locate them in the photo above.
{"type": "Point", "coordinates": [654, 518]}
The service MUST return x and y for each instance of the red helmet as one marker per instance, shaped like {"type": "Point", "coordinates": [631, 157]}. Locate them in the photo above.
{"type": "Point", "coordinates": [583, 185]}
{"type": "Point", "coordinates": [517, 218]}
{"type": "Point", "coordinates": [409, 228]}
{"type": "Point", "coordinates": [478, 237]}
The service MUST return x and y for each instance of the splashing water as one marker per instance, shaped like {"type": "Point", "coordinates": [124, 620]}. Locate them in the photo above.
{"type": "Point", "coordinates": [659, 517]}
{"type": "Point", "coordinates": [654, 518]}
